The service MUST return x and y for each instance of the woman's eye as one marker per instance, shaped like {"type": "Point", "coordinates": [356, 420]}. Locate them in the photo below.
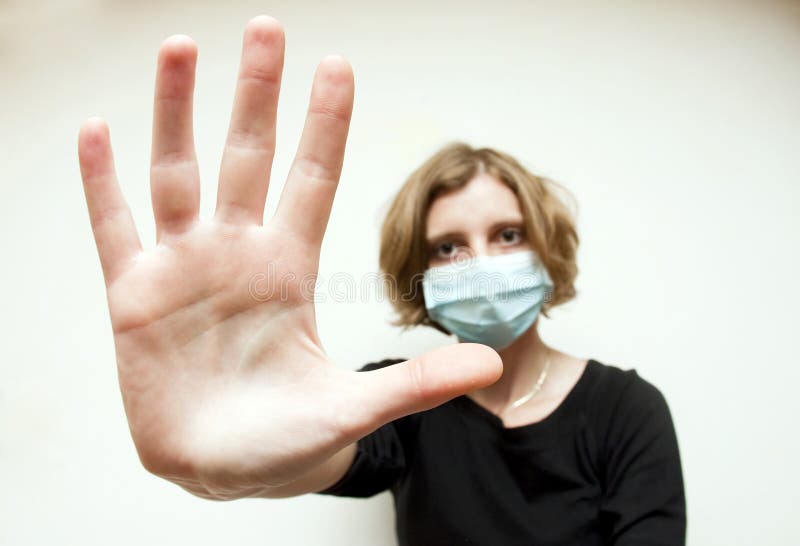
{"type": "Point", "coordinates": [511, 236]}
{"type": "Point", "coordinates": [445, 250]}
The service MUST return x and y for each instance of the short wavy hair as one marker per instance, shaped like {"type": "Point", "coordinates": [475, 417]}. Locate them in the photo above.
{"type": "Point", "coordinates": [549, 225]}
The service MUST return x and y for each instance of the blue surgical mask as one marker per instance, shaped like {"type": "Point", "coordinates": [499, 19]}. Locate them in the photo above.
{"type": "Point", "coordinates": [489, 299]}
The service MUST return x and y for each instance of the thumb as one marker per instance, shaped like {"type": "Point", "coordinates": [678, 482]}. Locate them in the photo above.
{"type": "Point", "coordinates": [428, 380]}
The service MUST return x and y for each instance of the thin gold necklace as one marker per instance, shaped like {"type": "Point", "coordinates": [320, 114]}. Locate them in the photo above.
{"type": "Point", "coordinates": [536, 388]}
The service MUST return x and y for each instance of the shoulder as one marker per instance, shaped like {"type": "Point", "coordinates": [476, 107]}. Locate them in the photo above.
{"type": "Point", "coordinates": [370, 366]}
{"type": "Point", "coordinates": [638, 459]}
{"type": "Point", "coordinates": [613, 387]}
{"type": "Point", "coordinates": [619, 397]}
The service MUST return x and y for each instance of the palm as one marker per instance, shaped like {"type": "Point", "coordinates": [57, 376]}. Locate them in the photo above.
{"type": "Point", "coordinates": [222, 374]}
{"type": "Point", "coordinates": [234, 339]}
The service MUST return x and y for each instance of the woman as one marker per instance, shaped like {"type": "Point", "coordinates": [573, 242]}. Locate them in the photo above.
{"type": "Point", "coordinates": [560, 450]}
{"type": "Point", "coordinates": [229, 394]}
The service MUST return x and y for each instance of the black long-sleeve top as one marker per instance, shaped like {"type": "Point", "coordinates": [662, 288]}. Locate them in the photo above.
{"type": "Point", "coordinates": [602, 469]}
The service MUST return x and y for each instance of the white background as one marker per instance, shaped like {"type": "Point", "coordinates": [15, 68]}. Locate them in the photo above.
{"type": "Point", "coordinates": [675, 123]}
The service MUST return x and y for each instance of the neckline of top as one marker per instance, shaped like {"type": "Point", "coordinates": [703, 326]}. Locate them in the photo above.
{"type": "Point", "coordinates": [580, 385]}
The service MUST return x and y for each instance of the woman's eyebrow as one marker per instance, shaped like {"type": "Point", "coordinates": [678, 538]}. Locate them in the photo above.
{"type": "Point", "coordinates": [447, 235]}
{"type": "Point", "coordinates": [510, 222]}
{"type": "Point", "coordinates": [454, 234]}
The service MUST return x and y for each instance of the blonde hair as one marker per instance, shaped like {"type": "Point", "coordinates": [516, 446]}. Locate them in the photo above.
{"type": "Point", "coordinates": [549, 225]}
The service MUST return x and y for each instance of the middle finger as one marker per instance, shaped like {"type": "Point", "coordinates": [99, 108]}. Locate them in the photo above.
{"type": "Point", "coordinates": [250, 146]}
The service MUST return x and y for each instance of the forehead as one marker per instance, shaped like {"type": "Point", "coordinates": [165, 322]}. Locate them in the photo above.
{"type": "Point", "coordinates": [483, 201]}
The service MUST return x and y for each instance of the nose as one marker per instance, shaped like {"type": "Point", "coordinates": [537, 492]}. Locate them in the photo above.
{"type": "Point", "coordinates": [478, 247]}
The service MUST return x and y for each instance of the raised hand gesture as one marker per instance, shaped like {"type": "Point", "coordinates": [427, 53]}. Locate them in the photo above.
{"type": "Point", "coordinates": [228, 392]}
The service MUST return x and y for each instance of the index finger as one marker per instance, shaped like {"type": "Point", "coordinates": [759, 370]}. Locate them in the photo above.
{"type": "Point", "coordinates": [307, 198]}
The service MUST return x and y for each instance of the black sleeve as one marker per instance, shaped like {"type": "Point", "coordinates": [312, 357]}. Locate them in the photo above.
{"type": "Point", "coordinates": [644, 503]}
{"type": "Point", "coordinates": [380, 457]}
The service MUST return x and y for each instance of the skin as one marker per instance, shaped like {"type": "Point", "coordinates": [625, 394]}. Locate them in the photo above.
{"type": "Point", "coordinates": [483, 218]}
{"type": "Point", "coordinates": [228, 392]}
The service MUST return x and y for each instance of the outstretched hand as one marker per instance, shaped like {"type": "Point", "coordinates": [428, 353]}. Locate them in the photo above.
{"type": "Point", "coordinates": [228, 391]}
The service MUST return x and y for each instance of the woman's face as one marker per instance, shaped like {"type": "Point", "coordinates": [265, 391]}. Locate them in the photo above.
{"type": "Point", "coordinates": [483, 218]}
